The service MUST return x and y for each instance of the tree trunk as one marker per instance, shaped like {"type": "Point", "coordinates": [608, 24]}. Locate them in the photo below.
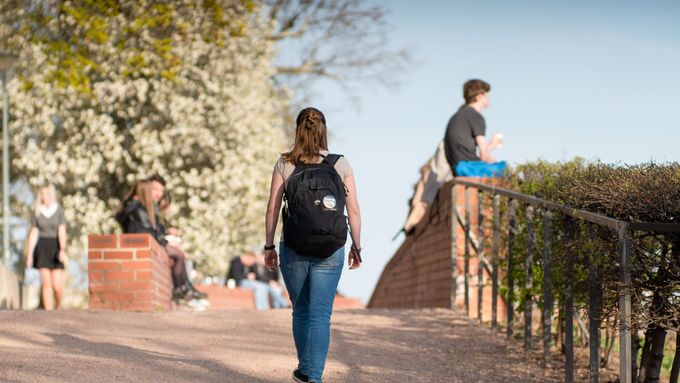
{"type": "Point", "coordinates": [642, 371]}
{"type": "Point", "coordinates": [561, 332]}
{"type": "Point", "coordinates": [610, 335]}
{"type": "Point", "coordinates": [675, 370]}
{"type": "Point", "coordinates": [635, 348]}
{"type": "Point", "coordinates": [583, 331]}
{"type": "Point", "coordinates": [653, 373]}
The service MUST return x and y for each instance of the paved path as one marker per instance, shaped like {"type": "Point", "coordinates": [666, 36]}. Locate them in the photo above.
{"type": "Point", "coordinates": [248, 346]}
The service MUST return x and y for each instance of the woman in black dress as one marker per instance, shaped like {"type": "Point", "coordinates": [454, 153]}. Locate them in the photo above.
{"type": "Point", "coordinates": [47, 246]}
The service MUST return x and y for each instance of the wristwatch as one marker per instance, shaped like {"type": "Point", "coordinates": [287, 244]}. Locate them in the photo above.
{"type": "Point", "coordinates": [269, 247]}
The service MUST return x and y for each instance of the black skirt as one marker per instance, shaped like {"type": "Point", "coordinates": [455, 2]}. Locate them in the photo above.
{"type": "Point", "coordinates": [46, 254]}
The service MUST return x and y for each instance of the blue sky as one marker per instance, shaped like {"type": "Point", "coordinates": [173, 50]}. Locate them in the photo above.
{"type": "Point", "coordinates": [600, 80]}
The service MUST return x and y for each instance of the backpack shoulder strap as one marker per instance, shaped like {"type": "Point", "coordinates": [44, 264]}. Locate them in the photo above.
{"type": "Point", "coordinates": [332, 159]}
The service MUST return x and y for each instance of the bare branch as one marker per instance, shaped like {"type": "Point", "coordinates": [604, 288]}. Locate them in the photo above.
{"type": "Point", "coordinates": [344, 40]}
{"type": "Point", "coordinates": [312, 70]}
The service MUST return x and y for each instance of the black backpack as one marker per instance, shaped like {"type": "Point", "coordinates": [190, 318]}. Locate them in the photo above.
{"type": "Point", "coordinates": [314, 221]}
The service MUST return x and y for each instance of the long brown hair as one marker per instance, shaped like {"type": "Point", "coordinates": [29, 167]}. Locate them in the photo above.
{"type": "Point", "coordinates": [141, 190]}
{"type": "Point", "coordinates": [311, 137]}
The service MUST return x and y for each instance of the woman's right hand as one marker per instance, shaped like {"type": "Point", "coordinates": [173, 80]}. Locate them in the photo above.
{"type": "Point", "coordinates": [354, 258]}
{"type": "Point", "coordinates": [271, 259]}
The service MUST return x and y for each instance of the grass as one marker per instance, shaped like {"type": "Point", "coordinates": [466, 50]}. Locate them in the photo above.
{"type": "Point", "coordinates": [668, 353]}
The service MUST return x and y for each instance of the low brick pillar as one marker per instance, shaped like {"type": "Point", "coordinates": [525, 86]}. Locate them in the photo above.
{"type": "Point", "coordinates": [222, 297]}
{"type": "Point", "coordinates": [128, 272]}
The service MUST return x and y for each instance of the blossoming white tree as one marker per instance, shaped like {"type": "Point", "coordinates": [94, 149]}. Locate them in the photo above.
{"type": "Point", "coordinates": [111, 91]}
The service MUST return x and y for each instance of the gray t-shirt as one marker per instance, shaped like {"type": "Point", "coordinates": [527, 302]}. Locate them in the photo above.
{"type": "Point", "coordinates": [286, 168]}
{"type": "Point", "coordinates": [48, 226]}
{"type": "Point", "coordinates": [459, 140]}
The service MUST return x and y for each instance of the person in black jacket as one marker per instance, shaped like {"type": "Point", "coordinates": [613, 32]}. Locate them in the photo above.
{"type": "Point", "coordinates": [138, 214]}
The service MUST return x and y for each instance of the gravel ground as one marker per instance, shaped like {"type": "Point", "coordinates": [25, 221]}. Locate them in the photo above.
{"type": "Point", "coordinates": [430, 345]}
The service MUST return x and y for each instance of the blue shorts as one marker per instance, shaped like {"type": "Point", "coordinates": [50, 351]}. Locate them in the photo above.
{"type": "Point", "coordinates": [479, 169]}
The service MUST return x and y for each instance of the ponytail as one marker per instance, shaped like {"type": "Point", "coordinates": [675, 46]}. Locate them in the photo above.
{"type": "Point", "coordinates": [311, 137]}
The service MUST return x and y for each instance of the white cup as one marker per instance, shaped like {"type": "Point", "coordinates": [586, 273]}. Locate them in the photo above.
{"type": "Point", "coordinates": [499, 138]}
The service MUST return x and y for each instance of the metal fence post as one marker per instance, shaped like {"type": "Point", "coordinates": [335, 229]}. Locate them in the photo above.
{"type": "Point", "coordinates": [625, 353]}
{"type": "Point", "coordinates": [511, 280]}
{"type": "Point", "coordinates": [494, 262]}
{"type": "Point", "coordinates": [528, 279]}
{"type": "Point", "coordinates": [569, 309]}
{"type": "Point", "coordinates": [467, 251]}
{"type": "Point", "coordinates": [593, 310]}
{"type": "Point", "coordinates": [454, 245]}
{"type": "Point", "coordinates": [480, 251]}
{"type": "Point", "coordinates": [547, 283]}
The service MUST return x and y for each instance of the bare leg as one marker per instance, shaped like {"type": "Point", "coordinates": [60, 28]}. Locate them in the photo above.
{"type": "Point", "coordinates": [47, 295]}
{"type": "Point", "coordinates": [418, 208]}
{"type": "Point", "coordinates": [57, 285]}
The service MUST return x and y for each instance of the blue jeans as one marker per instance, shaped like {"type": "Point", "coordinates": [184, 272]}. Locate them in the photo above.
{"type": "Point", "coordinates": [262, 291]}
{"type": "Point", "coordinates": [479, 169]}
{"type": "Point", "coordinates": [311, 283]}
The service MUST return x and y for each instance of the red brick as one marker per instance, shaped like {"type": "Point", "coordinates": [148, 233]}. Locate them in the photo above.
{"type": "Point", "coordinates": [103, 305]}
{"type": "Point", "coordinates": [140, 254]}
{"type": "Point", "coordinates": [119, 275]}
{"type": "Point", "coordinates": [136, 265]}
{"type": "Point", "coordinates": [156, 248]}
{"type": "Point", "coordinates": [95, 276]}
{"type": "Point", "coordinates": [132, 274]}
{"type": "Point", "coordinates": [143, 297]}
{"type": "Point", "coordinates": [119, 296]}
{"type": "Point", "coordinates": [104, 266]}
{"type": "Point", "coordinates": [118, 254]}
{"type": "Point", "coordinates": [135, 240]}
{"type": "Point", "coordinates": [135, 285]}
{"type": "Point", "coordinates": [104, 287]}
{"type": "Point", "coordinates": [102, 241]}
{"type": "Point", "coordinates": [146, 306]}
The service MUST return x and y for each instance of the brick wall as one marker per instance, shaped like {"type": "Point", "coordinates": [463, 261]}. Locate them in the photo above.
{"type": "Point", "coordinates": [222, 297]}
{"type": "Point", "coordinates": [420, 274]}
{"type": "Point", "coordinates": [129, 272]}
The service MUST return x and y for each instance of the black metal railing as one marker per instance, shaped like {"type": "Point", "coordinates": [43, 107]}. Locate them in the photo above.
{"type": "Point", "coordinates": [545, 208]}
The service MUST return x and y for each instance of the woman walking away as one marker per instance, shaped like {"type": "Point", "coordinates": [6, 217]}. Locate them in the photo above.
{"type": "Point", "coordinates": [47, 246]}
{"type": "Point", "coordinates": [316, 186]}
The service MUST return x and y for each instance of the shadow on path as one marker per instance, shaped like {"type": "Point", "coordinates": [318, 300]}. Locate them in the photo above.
{"type": "Point", "coordinates": [174, 365]}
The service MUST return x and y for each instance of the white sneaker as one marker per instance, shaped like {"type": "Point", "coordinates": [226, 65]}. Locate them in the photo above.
{"type": "Point", "coordinates": [194, 305]}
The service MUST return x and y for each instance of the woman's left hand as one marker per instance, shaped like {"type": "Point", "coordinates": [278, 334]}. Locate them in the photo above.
{"type": "Point", "coordinates": [271, 259]}
{"type": "Point", "coordinates": [354, 258]}
{"type": "Point", "coordinates": [62, 256]}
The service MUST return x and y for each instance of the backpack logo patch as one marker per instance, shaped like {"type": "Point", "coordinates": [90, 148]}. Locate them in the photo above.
{"type": "Point", "coordinates": [329, 202]}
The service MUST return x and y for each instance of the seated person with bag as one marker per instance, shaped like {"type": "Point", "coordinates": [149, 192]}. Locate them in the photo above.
{"type": "Point", "coordinates": [138, 214]}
